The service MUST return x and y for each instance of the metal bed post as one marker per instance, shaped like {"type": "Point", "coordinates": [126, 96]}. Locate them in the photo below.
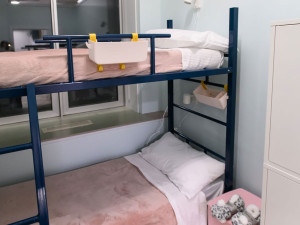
{"type": "Point", "coordinates": [37, 156]}
{"type": "Point", "coordinates": [170, 94]}
{"type": "Point", "coordinates": [152, 55]}
{"type": "Point", "coordinates": [70, 60]}
{"type": "Point", "coordinates": [232, 74]}
{"type": "Point", "coordinates": [171, 106]}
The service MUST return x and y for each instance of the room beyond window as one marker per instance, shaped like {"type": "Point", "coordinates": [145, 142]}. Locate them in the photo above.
{"type": "Point", "coordinates": [57, 17]}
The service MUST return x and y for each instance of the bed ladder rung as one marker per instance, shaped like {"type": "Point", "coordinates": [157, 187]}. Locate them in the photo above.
{"type": "Point", "coordinates": [15, 148]}
{"type": "Point", "coordinates": [30, 220]}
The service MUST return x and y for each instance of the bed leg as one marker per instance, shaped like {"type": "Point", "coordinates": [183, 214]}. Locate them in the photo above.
{"type": "Point", "coordinates": [232, 75]}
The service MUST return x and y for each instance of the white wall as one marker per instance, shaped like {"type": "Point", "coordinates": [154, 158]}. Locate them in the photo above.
{"type": "Point", "coordinates": [151, 17]}
{"type": "Point", "coordinates": [78, 151]}
{"type": "Point", "coordinates": [255, 17]}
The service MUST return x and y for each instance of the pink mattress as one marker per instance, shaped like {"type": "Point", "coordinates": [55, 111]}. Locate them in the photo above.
{"type": "Point", "coordinates": [109, 193]}
{"type": "Point", "coordinates": [50, 66]}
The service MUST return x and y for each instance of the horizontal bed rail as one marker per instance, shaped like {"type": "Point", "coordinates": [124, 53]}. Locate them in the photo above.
{"type": "Point", "coordinates": [200, 114]}
{"type": "Point", "coordinates": [109, 82]}
{"type": "Point", "coordinates": [205, 82]}
{"type": "Point", "coordinates": [15, 148]}
{"type": "Point", "coordinates": [205, 149]}
{"type": "Point", "coordinates": [70, 38]}
{"type": "Point", "coordinates": [104, 36]}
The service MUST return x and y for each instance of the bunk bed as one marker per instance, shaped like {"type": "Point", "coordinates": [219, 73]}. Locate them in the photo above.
{"type": "Point", "coordinates": [31, 90]}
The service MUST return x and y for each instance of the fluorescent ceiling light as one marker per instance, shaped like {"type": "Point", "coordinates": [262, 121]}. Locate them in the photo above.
{"type": "Point", "coordinates": [15, 2]}
{"type": "Point", "coordinates": [79, 1]}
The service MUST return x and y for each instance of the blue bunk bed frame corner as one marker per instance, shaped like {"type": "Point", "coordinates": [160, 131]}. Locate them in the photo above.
{"type": "Point", "coordinates": [31, 91]}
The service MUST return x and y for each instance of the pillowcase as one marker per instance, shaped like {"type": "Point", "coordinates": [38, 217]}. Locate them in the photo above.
{"type": "Point", "coordinates": [168, 153]}
{"type": "Point", "coordinates": [190, 39]}
{"type": "Point", "coordinates": [189, 169]}
{"type": "Point", "coordinates": [194, 175]}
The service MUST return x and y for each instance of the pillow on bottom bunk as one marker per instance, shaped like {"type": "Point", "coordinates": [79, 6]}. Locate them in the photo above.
{"type": "Point", "coordinates": [189, 169]}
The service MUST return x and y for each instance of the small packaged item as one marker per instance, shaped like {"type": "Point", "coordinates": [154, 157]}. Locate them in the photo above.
{"type": "Point", "coordinates": [224, 211]}
{"type": "Point", "coordinates": [212, 97]}
{"type": "Point", "coordinates": [251, 216]}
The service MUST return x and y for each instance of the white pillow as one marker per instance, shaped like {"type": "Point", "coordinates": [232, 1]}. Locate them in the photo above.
{"type": "Point", "coordinates": [189, 169]}
{"type": "Point", "coordinates": [168, 153]}
{"type": "Point", "coordinates": [190, 39]}
{"type": "Point", "coordinates": [194, 175]}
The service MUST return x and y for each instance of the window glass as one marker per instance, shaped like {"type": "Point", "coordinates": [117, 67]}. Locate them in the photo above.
{"type": "Point", "coordinates": [88, 16]}
{"type": "Point", "coordinates": [21, 23]}
{"type": "Point", "coordinates": [82, 17]}
{"type": "Point", "coordinates": [19, 106]}
{"type": "Point", "coordinates": [93, 96]}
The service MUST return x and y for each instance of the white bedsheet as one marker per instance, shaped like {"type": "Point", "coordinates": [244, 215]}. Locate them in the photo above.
{"type": "Point", "coordinates": [187, 211]}
{"type": "Point", "coordinates": [197, 59]}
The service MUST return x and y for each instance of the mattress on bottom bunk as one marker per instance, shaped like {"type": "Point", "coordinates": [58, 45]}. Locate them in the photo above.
{"type": "Point", "coordinates": [109, 193]}
{"type": "Point", "coordinates": [50, 66]}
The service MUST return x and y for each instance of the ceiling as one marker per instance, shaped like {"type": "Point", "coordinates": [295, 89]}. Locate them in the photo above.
{"type": "Point", "coordinates": [62, 2]}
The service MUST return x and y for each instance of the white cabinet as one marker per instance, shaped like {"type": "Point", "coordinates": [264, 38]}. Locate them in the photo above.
{"type": "Point", "coordinates": [282, 200]}
{"type": "Point", "coordinates": [281, 186]}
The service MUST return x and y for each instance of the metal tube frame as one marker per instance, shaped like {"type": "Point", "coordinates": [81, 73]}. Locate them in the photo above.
{"type": "Point", "coordinates": [31, 91]}
{"type": "Point", "coordinates": [230, 120]}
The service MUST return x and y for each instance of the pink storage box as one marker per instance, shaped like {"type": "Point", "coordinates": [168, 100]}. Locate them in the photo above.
{"type": "Point", "coordinates": [248, 197]}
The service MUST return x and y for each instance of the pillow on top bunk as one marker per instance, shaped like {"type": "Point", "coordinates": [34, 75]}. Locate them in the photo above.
{"type": "Point", "coordinates": [190, 39]}
{"type": "Point", "coordinates": [189, 169]}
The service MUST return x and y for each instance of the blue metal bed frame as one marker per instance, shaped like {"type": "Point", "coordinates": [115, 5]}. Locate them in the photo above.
{"type": "Point", "coordinates": [32, 90]}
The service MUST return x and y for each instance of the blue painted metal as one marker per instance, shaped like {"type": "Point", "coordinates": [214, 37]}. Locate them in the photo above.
{"type": "Point", "coordinates": [54, 88]}
{"type": "Point", "coordinates": [206, 150]}
{"type": "Point", "coordinates": [170, 24]}
{"type": "Point", "coordinates": [206, 82]}
{"type": "Point", "coordinates": [15, 148]}
{"type": "Point", "coordinates": [30, 220]}
{"type": "Point", "coordinates": [170, 95]}
{"type": "Point", "coordinates": [152, 45]}
{"type": "Point", "coordinates": [104, 36]}
{"type": "Point", "coordinates": [77, 40]}
{"type": "Point", "coordinates": [230, 129]}
{"type": "Point", "coordinates": [171, 106]}
{"type": "Point", "coordinates": [70, 60]}
{"type": "Point", "coordinates": [200, 114]}
{"type": "Point", "coordinates": [37, 156]}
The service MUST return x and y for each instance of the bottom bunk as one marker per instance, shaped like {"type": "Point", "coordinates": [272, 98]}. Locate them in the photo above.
{"type": "Point", "coordinates": [130, 190]}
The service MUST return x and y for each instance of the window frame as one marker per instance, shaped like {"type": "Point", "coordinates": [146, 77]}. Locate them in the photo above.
{"type": "Point", "coordinates": [60, 102]}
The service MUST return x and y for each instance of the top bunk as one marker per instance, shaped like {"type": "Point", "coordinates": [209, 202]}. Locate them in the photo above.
{"type": "Point", "coordinates": [160, 64]}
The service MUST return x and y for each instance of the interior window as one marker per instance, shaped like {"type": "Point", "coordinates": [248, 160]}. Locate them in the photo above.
{"type": "Point", "coordinates": [84, 17]}
{"type": "Point", "coordinates": [92, 96]}
{"type": "Point", "coordinates": [32, 20]}
{"type": "Point", "coordinates": [20, 31]}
